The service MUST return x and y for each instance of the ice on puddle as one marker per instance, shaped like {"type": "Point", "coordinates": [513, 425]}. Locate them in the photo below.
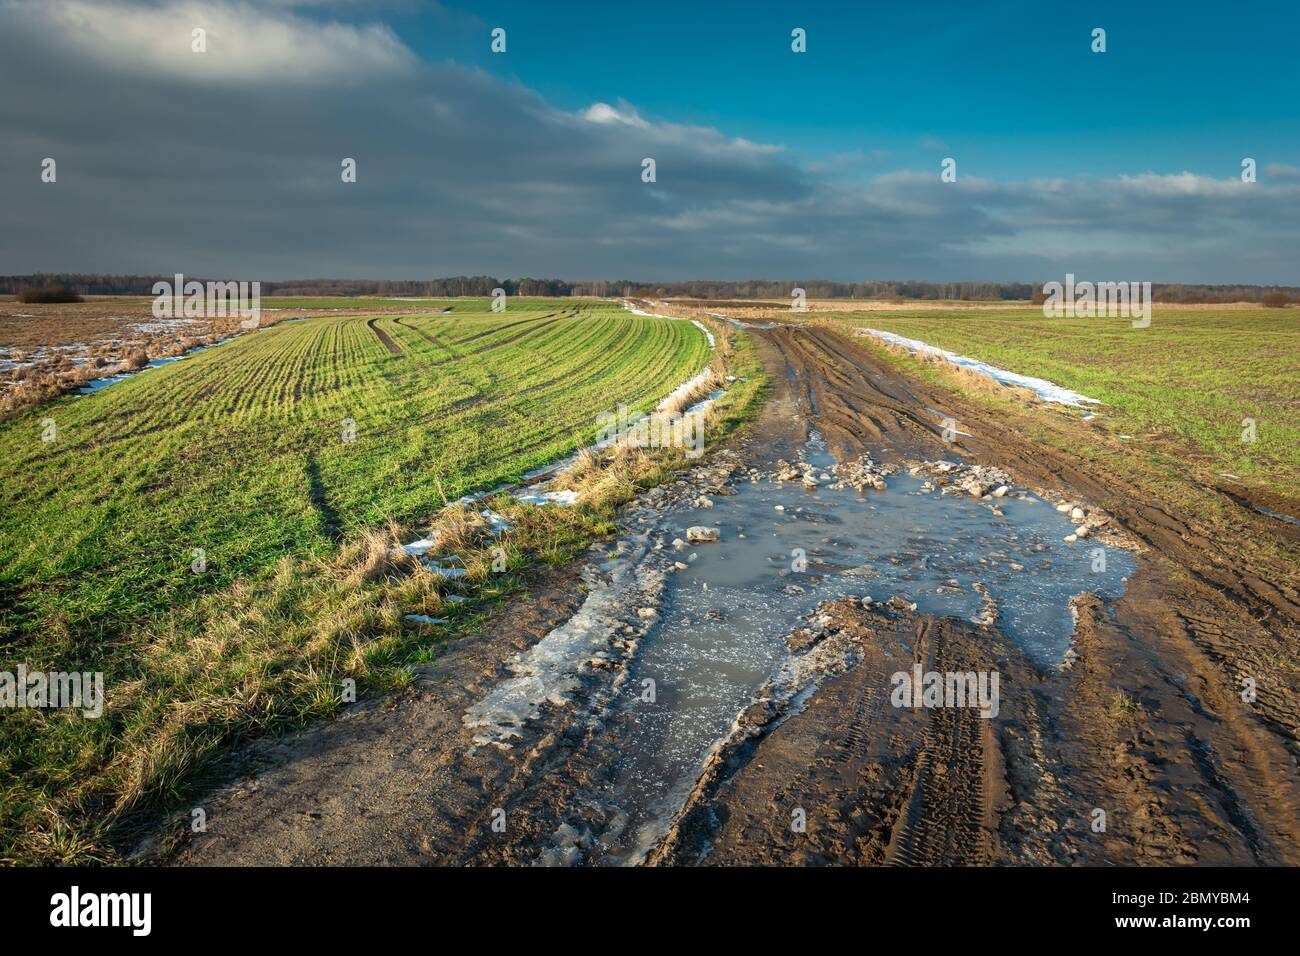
{"type": "Point", "coordinates": [548, 672]}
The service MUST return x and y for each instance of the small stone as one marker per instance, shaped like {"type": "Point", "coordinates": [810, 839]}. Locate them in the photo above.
{"type": "Point", "coordinates": [1071, 538]}
{"type": "Point", "coordinates": [779, 508]}
{"type": "Point", "coordinates": [1077, 514]}
{"type": "Point", "coordinates": [680, 566]}
{"type": "Point", "coordinates": [700, 534]}
{"type": "Point", "coordinates": [678, 543]}
{"type": "Point", "coordinates": [1081, 531]}
{"type": "Point", "coordinates": [1000, 491]}
{"type": "Point", "coordinates": [647, 612]}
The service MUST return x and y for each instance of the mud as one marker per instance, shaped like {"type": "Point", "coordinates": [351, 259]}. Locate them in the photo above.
{"type": "Point", "coordinates": [1144, 721]}
{"type": "Point", "coordinates": [1148, 725]}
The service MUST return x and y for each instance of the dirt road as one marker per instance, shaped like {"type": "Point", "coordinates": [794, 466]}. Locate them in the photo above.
{"type": "Point", "coordinates": [1142, 752]}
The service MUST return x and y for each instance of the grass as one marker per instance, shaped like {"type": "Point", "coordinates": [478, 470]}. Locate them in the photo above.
{"type": "Point", "coordinates": [239, 450]}
{"type": "Point", "coordinates": [1123, 707]}
{"type": "Point", "coordinates": [1181, 388]}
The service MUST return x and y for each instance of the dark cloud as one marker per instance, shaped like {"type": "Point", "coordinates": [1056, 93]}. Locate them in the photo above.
{"type": "Point", "coordinates": [227, 163]}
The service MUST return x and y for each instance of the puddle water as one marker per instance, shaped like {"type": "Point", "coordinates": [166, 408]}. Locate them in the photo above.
{"type": "Point", "coordinates": [1276, 514]}
{"type": "Point", "coordinates": [95, 384]}
{"type": "Point", "coordinates": [724, 619]}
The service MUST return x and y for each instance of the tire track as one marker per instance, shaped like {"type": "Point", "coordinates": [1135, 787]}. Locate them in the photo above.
{"type": "Point", "coordinates": [384, 337]}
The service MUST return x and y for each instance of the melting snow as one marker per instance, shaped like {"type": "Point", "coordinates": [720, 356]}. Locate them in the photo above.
{"type": "Point", "coordinates": [425, 619]}
{"type": "Point", "coordinates": [450, 573]}
{"type": "Point", "coordinates": [1047, 391]}
{"type": "Point", "coordinates": [565, 497]}
{"type": "Point", "coordinates": [549, 671]}
{"type": "Point", "coordinates": [419, 548]}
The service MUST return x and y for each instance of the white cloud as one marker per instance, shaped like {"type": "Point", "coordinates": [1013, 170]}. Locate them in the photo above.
{"type": "Point", "coordinates": [231, 167]}
{"type": "Point", "coordinates": [245, 43]}
{"type": "Point", "coordinates": [604, 113]}
{"type": "Point", "coordinates": [1182, 184]}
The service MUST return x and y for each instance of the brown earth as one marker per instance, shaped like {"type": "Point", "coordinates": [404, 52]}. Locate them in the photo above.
{"type": "Point", "coordinates": [1148, 725]}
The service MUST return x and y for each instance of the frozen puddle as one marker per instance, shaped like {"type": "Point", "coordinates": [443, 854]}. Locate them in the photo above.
{"type": "Point", "coordinates": [95, 384]}
{"type": "Point", "coordinates": [1047, 391]}
{"type": "Point", "coordinates": [722, 622]}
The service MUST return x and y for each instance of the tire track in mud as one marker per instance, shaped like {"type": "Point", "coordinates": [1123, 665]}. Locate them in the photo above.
{"type": "Point", "coordinates": [879, 784]}
{"type": "Point", "coordinates": [853, 407]}
{"type": "Point", "coordinates": [384, 337]}
{"type": "Point", "coordinates": [949, 814]}
{"type": "Point", "coordinates": [1207, 556]}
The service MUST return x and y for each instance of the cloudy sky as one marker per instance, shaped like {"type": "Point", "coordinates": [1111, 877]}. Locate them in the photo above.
{"type": "Point", "coordinates": [769, 163]}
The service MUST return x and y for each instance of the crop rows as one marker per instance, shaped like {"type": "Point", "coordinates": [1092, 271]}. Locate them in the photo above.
{"type": "Point", "coordinates": [240, 450]}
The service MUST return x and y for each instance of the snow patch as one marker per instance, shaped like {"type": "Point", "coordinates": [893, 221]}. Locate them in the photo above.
{"type": "Point", "coordinates": [1047, 391]}
{"type": "Point", "coordinates": [425, 619]}
{"type": "Point", "coordinates": [565, 497]}
{"type": "Point", "coordinates": [419, 548]}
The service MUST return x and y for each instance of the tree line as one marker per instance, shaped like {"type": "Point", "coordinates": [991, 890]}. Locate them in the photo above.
{"type": "Point", "coordinates": [709, 289]}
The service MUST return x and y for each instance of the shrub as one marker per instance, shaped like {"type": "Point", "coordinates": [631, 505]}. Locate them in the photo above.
{"type": "Point", "coordinates": [1276, 300]}
{"type": "Point", "coordinates": [47, 293]}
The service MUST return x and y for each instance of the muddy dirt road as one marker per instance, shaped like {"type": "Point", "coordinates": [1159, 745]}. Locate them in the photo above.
{"type": "Point", "coordinates": [539, 743]}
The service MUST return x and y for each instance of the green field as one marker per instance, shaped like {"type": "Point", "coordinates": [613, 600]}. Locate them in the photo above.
{"type": "Point", "coordinates": [1180, 388]}
{"type": "Point", "coordinates": [239, 450]}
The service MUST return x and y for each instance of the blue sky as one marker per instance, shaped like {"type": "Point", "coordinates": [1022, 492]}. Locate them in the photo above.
{"type": "Point", "coordinates": [1011, 86]}
{"type": "Point", "coordinates": [225, 162]}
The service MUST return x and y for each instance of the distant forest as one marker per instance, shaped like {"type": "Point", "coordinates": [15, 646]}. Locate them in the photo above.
{"type": "Point", "coordinates": [699, 289]}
